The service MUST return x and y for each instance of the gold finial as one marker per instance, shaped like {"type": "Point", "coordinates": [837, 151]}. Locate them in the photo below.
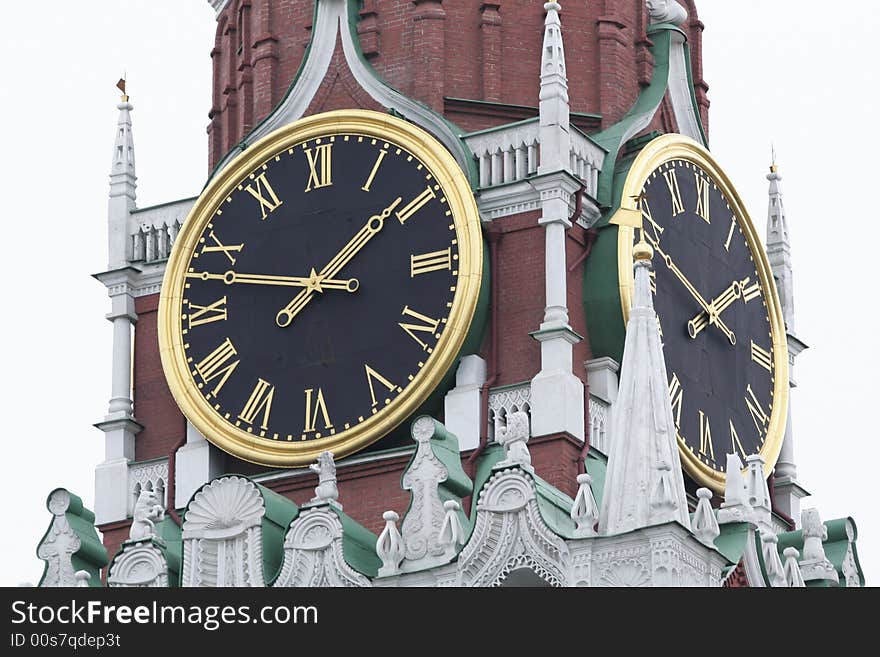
{"type": "Point", "coordinates": [642, 250]}
{"type": "Point", "coordinates": [121, 86]}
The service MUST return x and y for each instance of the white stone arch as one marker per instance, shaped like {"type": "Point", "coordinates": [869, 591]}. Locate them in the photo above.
{"type": "Point", "coordinates": [510, 535]}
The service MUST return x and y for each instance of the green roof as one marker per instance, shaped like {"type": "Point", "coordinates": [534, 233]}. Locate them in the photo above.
{"type": "Point", "coordinates": [91, 555]}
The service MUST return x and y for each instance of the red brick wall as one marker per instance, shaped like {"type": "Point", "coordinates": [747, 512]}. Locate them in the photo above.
{"type": "Point", "coordinates": [154, 407]}
{"type": "Point", "coordinates": [431, 49]}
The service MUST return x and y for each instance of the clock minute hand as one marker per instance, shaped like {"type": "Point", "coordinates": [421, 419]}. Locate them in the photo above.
{"type": "Point", "coordinates": [350, 250]}
{"type": "Point", "coordinates": [707, 307]}
{"type": "Point", "coordinates": [313, 282]}
{"type": "Point", "coordinates": [719, 304]}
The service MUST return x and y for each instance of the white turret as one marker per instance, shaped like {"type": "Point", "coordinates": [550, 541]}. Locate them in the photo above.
{"type": "Point", "coordinates": [643, 485]}
{"type": "Point", "coordinates": [123, 185]}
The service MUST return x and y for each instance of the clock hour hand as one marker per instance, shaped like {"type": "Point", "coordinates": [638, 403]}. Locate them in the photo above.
{"type": "Point", "coordinates": [707, 307]}
{"type": "Point", "coordinates": [313, 282]}
{"type": "Point", "coordinates": [355, 244]}
{"type": "Point", "coordinates": [718, 305]}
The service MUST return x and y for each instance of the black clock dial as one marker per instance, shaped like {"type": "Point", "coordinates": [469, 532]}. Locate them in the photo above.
{"type": "Point", "coordinates": [319, 288]}
{"type": "Point", "coordinates": [713, 314]}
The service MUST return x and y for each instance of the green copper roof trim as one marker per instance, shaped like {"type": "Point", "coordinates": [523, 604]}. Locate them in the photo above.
{"type": "Point", "coordinates": [91, 555]}
{"type": "Point", "coordinates": [836, 545]}
{"type": "Point", "coordinates": [155, 207]}
{"type": "Point", "coordinates": [358, 545]}
{"type": "Point", "coordinates": [596, 466]}
{"type": "Point", "coordinates": [690, 73]}
{"type": "Point", "coordinates": [499, 128]}
{"type": "Point", "coordinates": [613, 138]}
{"type": "Point", "coordinates": [731, 542]}
{"type": "Point", "coordinates": [490, 103]}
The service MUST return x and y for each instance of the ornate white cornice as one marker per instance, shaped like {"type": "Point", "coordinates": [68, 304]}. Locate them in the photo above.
{"type": "Point", "coordinates": [218, 5]}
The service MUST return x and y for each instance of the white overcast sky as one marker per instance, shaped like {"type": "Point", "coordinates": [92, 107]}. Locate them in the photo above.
{"type": "Point", "coordinates": [800, 75]}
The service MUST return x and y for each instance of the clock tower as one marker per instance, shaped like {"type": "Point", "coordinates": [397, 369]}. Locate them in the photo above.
{"type": "Point", "coordinates": [476, 282]}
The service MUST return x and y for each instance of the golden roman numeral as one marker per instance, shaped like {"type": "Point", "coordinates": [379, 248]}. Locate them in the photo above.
{"type": "Point", "coordinates": [675, 399]}
{"type": "Point", "coordinates": [267, 205]}
{"type": "Point", "coordinates": [735, 444]}
{"type": "Point", "coordinates": [706, 437]}
{"type": "Point", "coordinates": [312, 410]}
{"type": "Point", "coordinates": [646, 214]}
{"type": "Point", "coordinates": [749, 293]}
{"type": "Point", "coordinates": [730, 234]}
{"type": "Point", "coordinates": [415, 205]}
{"type": "Point", "coordinates": [376, 166]}
{"type": "Point", "coordinates": [674, 192]}
{"type": "Point", "coordinates": [260, 400]}
{"type": "Point", "coordinates": [320, 167]}
{"type": "Point", "coordinates": [430, 326]}
{"type": "Point", "coordinates": [434, 261]}
{"type": "Point", "coordinates": [759, 416]}
{"type": "Point", "coordinates": [217, 364]}
{"type": "Point", "coordinates": [373, 374]}
{"type": "Point", "coordinates": [652, 281]}
{"type": "Point", "coordinates": [703, 190]}
{"type": "Point", "coordinates": [214, 312]}
{"type": "Point", "coordinates": [221, 247]}
{"type": "Point", "coordinates": [761, 357]}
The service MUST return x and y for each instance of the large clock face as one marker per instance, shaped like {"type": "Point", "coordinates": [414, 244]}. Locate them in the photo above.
{"type": "Point", "coordinates": [718, 315]}
{"type": "Point", "coordinates": [321, 289]}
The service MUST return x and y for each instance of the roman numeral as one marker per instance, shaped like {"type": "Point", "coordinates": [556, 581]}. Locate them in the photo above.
{"type": "Point", "coordinates": [706, 437]}
{"type": "Point", "coordinates": [267, 205]}
{"type": "Point", "coordinates": [646, 214]}
{"type": "Point", "coordinates": [675, 398]}
{"type": "Point", "coordinates": [674, 192]}
{"type": "Point", "coordinates": [313, 409]}
{"type": "Point", "coordinates": [373, 374]}
{"type": "Point", "coordinates": [730, 234]}
{"type": "Point", "coordinates": [260, 400]}
{"type": "Point", "coordinates": [703, 189]}
{"type": "Point", "coordinates": [415, 205]}
{"type": "Point", "coordinates": [434, 261]}
{"type": "Point", "coordinates": [376, 166]}
{"type": "Point", "coordinates": [652, 281]}
{"type": "Point", "coordinates": [221, 247]}
{"type": "Point", "coordinates": [320, 167]}
{"type": "Point", "coordinates": [218, 364]}
{"type": "Point", "coordinates": [749, 293]}
{"type": "Point", "coordinates": [762, 357]}
{"type": "Point", "coordinates": [430, 326]}
{"type": "Point", "coordinates": [214, 312]}
{"type": "Point", "coordinates": [759, 416]}
{"type": "Point", "coordinates": [735, 444]}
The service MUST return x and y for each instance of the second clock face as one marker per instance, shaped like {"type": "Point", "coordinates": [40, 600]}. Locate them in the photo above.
{"type": "Point", "coordinates": [713, 312]}
{"type": "Point", "coordinates": [320, 289]}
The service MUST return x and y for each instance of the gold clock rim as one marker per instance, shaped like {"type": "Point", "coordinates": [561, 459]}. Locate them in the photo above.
{"type": "Point", "coordinates": [679, 147]}
{"type": "Point", "coordinates": [465, 217]}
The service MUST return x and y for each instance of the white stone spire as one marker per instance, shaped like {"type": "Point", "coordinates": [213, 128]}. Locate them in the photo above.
{"type": "Point", "coordinates": [643, 485]}
{"type": "Point", "coordinates": [779, 247]}
{"type": "Point", "coordinates": [123, 185]}
{"type": "Point", "coordinates": [553, 108]}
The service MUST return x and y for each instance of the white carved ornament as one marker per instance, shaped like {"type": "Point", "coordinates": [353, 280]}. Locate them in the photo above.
{"type": "Point", "coordinates": [222, 535]}
{"type": "Point", "coordinates": [59, 545]}
{"type": "Point", "coordinates": [139, 564]}
{"type": "Point", "coordinates": [511, 534]}
{"type": "Point", "coordinates": [313, 553]}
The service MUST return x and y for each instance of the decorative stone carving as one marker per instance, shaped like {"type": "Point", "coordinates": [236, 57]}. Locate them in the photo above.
{"type": "Point", "coordinates": [147, 512]}
{"type": "Point", "coordinates": [434, 476]}
{"type": "Point", "coordinates": [666, 11]}
{"type": "Point", "coordinates": [704, 524]}
{"type": "Point", "coordinates": [814, 564]}
{"type": "Point", "coordinates": [585, 510]}
{"type": "Point", "coordinates": [313, 553]}
{"type": "Point", "coordinates": [140, 563]}
{"type": "Point", "coordinates": [510, 534]}
{"type": "Point", "coordinates": [772, 562]}
{"type": "Point", "coordinates": [793, 576]}
{"type": "Point", "coordinates": [222, 535]}
{"type": "Point", "coordinates": [757, 493]}
{"type": "Point", "coordinates": [736, 507]}
{"type": "Point", "coordinates": [149, 475]}
{"type": "Point", "coordinates": [325, 468]}
{"type": "Point", "coordinates": [451, 533]}
{"type": "Point", "coordinates": [390, 547]}
{"type": "Point", "coordinates": [626, 573]}
{"type": "Point", "coordinates": [507, 401]}
{"type": "Point", "coordinates": [70, 545]}
{"type": "Point", "coordinates": [513, 438]}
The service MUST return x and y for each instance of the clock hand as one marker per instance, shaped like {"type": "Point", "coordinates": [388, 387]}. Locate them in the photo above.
{"type": "Point", "coordinates": [719, 304]}
{"type": "Point", "coordinates": [313, 282]}
{"type": "Point", "coordinates": [355, 244]}
{"type": "Point", "coordinates": [708, 308]}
